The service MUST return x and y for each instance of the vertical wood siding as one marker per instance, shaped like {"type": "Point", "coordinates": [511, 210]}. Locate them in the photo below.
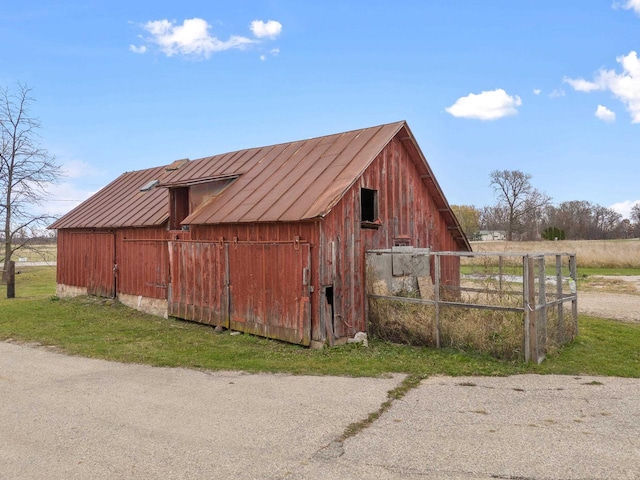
{"type": "Point", "coordinates": [199, 289]}
{"type": "Point", "coordinates": [307, 232]}
{"type": "Point", "coordinates": [407, 211]}
{"type": "Point", "coordinates": [336, 248]}
{"type": "Point", "coordinates": [142, 257]}
{"type": "Point", "coordinates": [86, 259]}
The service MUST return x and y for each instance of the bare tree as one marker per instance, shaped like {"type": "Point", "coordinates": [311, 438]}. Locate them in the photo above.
{"type": "Point", "coordinates": [635, 219]}
{"type": "Point", "coordinates": [26, 169]}
{"type": "Point", "coordinates": [522, 203]}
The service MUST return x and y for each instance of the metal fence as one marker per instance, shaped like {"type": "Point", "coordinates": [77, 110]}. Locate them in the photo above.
{"type": "Point", "coordinates": [510, 305]}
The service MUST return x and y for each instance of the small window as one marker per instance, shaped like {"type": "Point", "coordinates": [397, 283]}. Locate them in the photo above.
{"type": "Point", "coordinates": [179, 207]}
{"type": "Point", "coordinates": [369, 208]}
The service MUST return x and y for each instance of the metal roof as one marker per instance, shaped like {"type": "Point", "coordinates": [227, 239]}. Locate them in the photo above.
{"type": "Point", "coordinates": [286, 182]}
{"type": "Point", "coordinates": [122, 204]}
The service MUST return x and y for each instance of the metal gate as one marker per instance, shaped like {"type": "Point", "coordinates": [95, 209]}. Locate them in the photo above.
{"type": "Point", "coordinates": [258, 288]}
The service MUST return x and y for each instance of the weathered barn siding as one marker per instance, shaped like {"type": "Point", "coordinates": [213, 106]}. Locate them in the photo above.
{"type": "Point", "coordinates": [409, 215]}
{"type": "Point", "coordinates": [142, 257]}
{"type": "Point", "coordinates": [94, 254]}
{"type": "Point", "coordinates": [267, 240]}
{"type": "Point", "coordinates": [133, 261]}
{"type": "Point", "coordinates": [199, 287]}
{"type": "Point", "coordinates": [282, 270]}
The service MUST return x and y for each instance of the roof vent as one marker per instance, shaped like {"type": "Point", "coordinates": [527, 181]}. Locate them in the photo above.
{"type": "Point", "coordinates": [149, 185]}
{"type": "Point", "coordinates": [175, 165]}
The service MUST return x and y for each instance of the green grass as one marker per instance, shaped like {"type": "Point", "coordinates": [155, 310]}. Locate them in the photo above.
{"type": "Point", "coordinates": [113, 332]}
{"type": "Point", "coordinates": [588, 271]}
{"type": "Point", "coordinates": [549, 270]}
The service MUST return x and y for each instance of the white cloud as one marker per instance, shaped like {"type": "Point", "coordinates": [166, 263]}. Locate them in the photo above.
{"type": "Point", "coordinates": [270, 29]}
{"type": "Point", "coordinates": [192, 38]}
{"type": "Point", "coordinates": [537, 91]}
{"type": "Point", "coordinates": [604, 114]}
{"type": "Point", "coordinates": [275, 52]}
{"type": "Point", "coordinates": [488, 105]}
{"type": "Point", "coordinates": [629, 5]}
{"type": "Point", "coordinates": [557, 93]}
{"type": "Point", "coordinates": [263, 57]}
{"type": "Point", "coordinates": [624, 208]}
{"type": "Point", "coordinates": [140, 49]}
{"type": "Point", "coordinates": [581, 85]}
{"type": "Point", "coordinates": [624, 86]}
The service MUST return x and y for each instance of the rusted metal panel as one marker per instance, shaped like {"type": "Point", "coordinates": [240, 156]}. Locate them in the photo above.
{"type": "Point", "coordinates": [269, 290]}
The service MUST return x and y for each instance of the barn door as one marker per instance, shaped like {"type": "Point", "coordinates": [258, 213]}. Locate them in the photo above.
{"type": "Point", "coordinates": [101, 265]}
{"type": "Point", "coordinates": [199, 282]}
{"type": "Point", "coordinates": [269, 290]}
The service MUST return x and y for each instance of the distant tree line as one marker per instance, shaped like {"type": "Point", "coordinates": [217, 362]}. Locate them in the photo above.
{"type": "Point", "coordinates": [524, 213]}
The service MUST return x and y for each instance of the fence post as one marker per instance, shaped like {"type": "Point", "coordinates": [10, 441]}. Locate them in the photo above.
{"type": "Point", "coordinates": [529, 293]}
{"type": "Point", "coordinates": [500, 273]}
{"type": "Point", "coordinates": [559, 295]}
{"type": "Point", "coordinates": [11, 280]}
{"type": "Point", "coordinates": [541, 314]}
{"type": "Point", "coordinates": [574, 303]}
{"type": "Point", "coordinates": [436, 297]}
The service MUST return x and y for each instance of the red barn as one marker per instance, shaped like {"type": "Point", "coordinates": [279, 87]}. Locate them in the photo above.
{"type": "Point", "coordinates": [268, 240]}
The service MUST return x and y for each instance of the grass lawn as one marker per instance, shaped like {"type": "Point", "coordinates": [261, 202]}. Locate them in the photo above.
{"type": "Point", "coordinates": [87, 327]}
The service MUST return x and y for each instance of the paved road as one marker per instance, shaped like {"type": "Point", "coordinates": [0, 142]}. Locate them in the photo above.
{"type": "Point", "coordinates": [67, 417]}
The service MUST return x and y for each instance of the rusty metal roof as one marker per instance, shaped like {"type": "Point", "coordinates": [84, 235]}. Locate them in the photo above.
{"type": "Point", "coordinates": [286, 182]}
{"type": "Point", "coordinates": [122, 204]}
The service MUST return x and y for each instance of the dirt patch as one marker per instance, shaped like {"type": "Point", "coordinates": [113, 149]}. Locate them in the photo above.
{"type": "Point", "coordinates": [617, 306]}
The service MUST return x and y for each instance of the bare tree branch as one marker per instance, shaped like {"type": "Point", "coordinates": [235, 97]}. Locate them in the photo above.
{"type": "Point", "coordinates": [521, 203]}
{"type": "Point", "coordinates": [26, 169]}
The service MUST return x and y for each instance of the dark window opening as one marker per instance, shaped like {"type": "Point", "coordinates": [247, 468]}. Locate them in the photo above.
{"type": "Point", "coordinates": [328, 292]}
{"type": "Point", "coordinates": [369, 208]}
{"type": "Point", "coordinates": [329, 310]}
{"type": "Point", "coordinates": [179, 205]}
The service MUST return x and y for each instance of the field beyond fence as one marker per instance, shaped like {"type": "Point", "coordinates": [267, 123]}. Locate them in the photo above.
{"type": "Point", "coordinates": [589, 253]}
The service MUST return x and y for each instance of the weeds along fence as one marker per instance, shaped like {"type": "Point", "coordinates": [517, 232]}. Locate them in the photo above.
{"type": "Point", "coordinates": [509, 305]}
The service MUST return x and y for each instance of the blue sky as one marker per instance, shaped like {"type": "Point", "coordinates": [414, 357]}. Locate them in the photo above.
{"type": "Point", "coordinates": [548, 87]}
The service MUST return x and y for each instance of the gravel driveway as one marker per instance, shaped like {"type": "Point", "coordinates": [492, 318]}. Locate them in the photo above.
{"type": "Point", "coordinates": [617, 306]}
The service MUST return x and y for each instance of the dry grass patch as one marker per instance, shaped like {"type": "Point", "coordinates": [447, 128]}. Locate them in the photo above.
{"type": "Point", "coordinates": [604, 284]}
{"type": "Point", "coordinates": [589, 253]}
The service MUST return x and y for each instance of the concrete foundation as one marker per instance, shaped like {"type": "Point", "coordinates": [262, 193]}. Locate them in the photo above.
{"type": "Point", "coordinates": [66, 291]}
{"type": "Point", "coordinates": [153, 306]}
